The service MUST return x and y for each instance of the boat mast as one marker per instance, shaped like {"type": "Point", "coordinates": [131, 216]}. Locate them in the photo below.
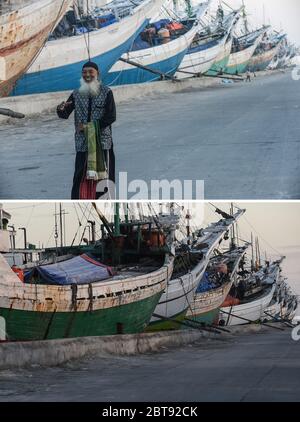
{"type": "Point", "coordinates": [55, 226]}
{"type": "Point", "coordinates": [189, 8]}
{"type": "Point", "coordinates": [104, 221]}
{"type": "Point", "coordinates": [62, 214]}
{"type": "Point", "coordinates": [126, 211]}
{"type": "Point", "coordinates": [258, 252]}
{"type": "Point", "coordinates": [246, 27]}
{"type": "Point", "coordinates": [252, 253]}
{"type": "Point", "coordinates": [188, 226]}
{"type": "Point", "coordinates": [175, 6]}
{"type": "Point", "coordinates": [232, 230]}
{"type": "Point", "coordinates": [117, 220]}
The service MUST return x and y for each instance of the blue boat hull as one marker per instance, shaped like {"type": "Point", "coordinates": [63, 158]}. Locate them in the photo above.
{"type": "Point", "coordinates": [138, 75]}
{"type": "Point", "coordinates": [67, 77]}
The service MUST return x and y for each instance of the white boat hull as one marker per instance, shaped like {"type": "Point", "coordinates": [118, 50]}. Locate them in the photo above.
{"type": "Point", "coordinates": [251, 311]}
{"type": "Point", "coordinates": [199, 62]}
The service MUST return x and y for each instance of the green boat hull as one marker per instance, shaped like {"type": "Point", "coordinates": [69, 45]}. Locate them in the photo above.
{"type": "Point", "coordinates": [160, 325]}
{"type": "Point", "coordinates": [241, 68]}
{"type": "Point", "coordinates": [207, 318]}
{"type": "Point", "coordinates": [218, 66]}
{"type": "Point", "coordinates": [125, 319]}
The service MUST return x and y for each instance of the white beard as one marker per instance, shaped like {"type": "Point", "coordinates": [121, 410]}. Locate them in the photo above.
{"type": "Point", "coordinates": [91, 88]}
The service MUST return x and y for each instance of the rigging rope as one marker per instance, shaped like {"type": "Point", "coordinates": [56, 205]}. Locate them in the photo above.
{"type": "Point", "coordinates": [264, 240]}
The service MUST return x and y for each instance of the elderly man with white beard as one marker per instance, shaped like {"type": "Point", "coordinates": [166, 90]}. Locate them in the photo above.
{"type": "Point", "coordinates": [92, 102]}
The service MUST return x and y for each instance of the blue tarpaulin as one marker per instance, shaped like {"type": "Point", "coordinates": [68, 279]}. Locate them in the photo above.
{"type": "Point", "coordinates": [79, 270]}
{"type": "Point", "coordinates": [161, 23]}
{"type": "Point", "coordinates": [205, 284]}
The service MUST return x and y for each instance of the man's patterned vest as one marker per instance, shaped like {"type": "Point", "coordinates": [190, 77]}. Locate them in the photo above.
{"type": "Point", "coordinates": [97, 112]}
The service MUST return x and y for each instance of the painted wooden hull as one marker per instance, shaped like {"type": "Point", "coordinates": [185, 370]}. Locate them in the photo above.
{"type": "Point", "coordinates": [177, 297]}
{"type": "Point", "coordinates": [238, 62]}
{"type": "Point", "coordinates": [222, 60]}
{"type": "Point", "coordinates": [23, 32]}
{"type": "Point", "coordinates": [199, 61]}
{"type": "Point", "coordinates": [272, 312]}
{"type": "Point", "coordinates": [281, 63]}
{"type": "Point", "coordinates": [165, 58]}
{"type": "Point", "coordinates": [179, 294]}
{"type": "Point", "coordinates": [206, 318]}
{"type": "Point", "coordinates": [252, 311]}
{"type": "Point", "coordinates": [58, 67]}
{"type": "Point", "coordinates": [131, 318]}
{"type": "Point", "coordinates": [263, 60]}
{"type": "Point", "coordinates": [206, 305]}
{"type": "Point", "coordinates": [273, 64]}
{"type": "Point", "coordinates": [35, 312]}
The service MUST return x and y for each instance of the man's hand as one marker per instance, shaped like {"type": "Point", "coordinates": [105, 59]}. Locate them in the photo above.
{"type": "Point", "coordinates": [81, 127]}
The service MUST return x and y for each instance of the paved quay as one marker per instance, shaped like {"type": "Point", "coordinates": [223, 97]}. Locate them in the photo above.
{"type": "Point", "coordinates": [242, 139]}
{"type": "Point", "coordinates": [248, 367]}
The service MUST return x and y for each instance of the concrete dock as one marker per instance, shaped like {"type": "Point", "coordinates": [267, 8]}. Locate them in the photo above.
{"type": "Point", "coordinates": [242, 139]}
{"type": "Point", "coordinates": [250, 366]}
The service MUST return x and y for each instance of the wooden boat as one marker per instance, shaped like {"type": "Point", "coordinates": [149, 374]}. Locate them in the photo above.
{"type": "Point", "coordinates": [284, 303]}
{"type": "Point", "coordinates": [249, 311]}
{"type": "Point", "coordinates": [242, 50]}
{"type": "Point", "coordinates": [178, 296]}
{"type": "Point", "coordinates": [292, 308]}
{"type": "Point", "coordinates": [206, 304]}
{"type": "Point", "coordinates": [255, 302]}
{"type": "Point", "coordinates": [113, 291]}
{"type": "Point", "coordinates": [209, 51]}
{"type": "Point", "coordinates": [58, 67]}
{"type": "Point", "coordinates": [23, 32]}
{"type": "Point", "coordinates": [222, 59]}
{"type": "Point", "coordinates": [163, 59]}
{"type": "Point", "coordinates": [264, 55]}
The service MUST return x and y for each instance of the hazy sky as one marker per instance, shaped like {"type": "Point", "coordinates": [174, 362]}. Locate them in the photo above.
{"type": "Point", "coordinates": [277, 225]}
{"type": "Point", "coordinates": [282, 14]}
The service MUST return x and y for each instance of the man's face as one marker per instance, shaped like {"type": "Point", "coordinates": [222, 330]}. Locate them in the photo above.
{"type": "Point", "coordinates": [89, 74]}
